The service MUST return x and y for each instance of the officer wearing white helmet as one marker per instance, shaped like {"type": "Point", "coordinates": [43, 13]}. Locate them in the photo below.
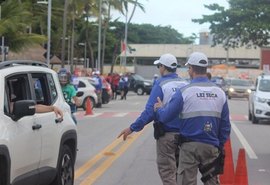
{"type": "Point", "coordinates": [164, 132]}
{"type": "Point", "coordinates": [204, 124]}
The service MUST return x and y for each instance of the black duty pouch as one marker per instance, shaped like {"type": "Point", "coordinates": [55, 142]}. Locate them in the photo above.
{"type": "Point", "coordinates": [158, 130]}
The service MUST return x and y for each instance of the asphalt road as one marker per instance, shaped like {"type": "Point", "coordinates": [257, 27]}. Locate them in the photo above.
{"type": "Point", "coordinates": [102, 159]}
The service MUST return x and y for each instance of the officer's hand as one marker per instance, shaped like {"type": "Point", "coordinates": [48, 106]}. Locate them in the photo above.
{"type": "Point", "coordinates": [125, 133]}
{"type": "Point", "coordinates": [157, 105]}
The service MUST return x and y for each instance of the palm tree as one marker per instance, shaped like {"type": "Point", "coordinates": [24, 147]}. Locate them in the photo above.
{"type": "Point", "coordinates": [121, 6]}
{"type": "Point", "coordinates": [16, 19]}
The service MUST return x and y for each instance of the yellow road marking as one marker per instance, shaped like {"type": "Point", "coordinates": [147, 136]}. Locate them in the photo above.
{"type": "Point", "coordinates": [109, 155]}
{"type": "Point", "coordinates": [108, 162]}
{"type": "Point", "coordinates": [92, 161]}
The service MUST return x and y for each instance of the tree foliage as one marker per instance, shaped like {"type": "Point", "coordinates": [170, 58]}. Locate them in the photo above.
{"type": "Point", "coordinates": [245, 22]}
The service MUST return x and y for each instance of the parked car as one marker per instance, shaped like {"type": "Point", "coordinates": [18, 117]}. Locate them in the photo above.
{"type": "Point", "coordinates": [139, 85]}
{"type": "Point", "coordinates": [239, 88]}
{"type": "Point", "coordinates": [259, 100]}
{"type": "Point", "coordinates": [88, 91]}
{"type": "Point", "coordinates": [35, 148]}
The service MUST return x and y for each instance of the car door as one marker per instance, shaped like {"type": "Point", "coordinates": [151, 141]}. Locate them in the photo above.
{"type": "Point", "coordinates": [45, 93]}
{"type": "Point", "coordinates": [24, 140]}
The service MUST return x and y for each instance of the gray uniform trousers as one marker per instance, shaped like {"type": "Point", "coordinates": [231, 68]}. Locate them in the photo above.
{"type": "Point", "coordinates": [191, 155]}
{"type": "Point", "coordinates": [166, 161]}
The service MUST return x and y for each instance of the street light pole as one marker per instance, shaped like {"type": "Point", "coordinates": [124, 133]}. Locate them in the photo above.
{"type": "Point", "coordinates": [3, 39]}
{"type": "Point", "coordinates": [49, 3]}
{"type": "Point", "coordinates": [85, 62]}
{"type": "Point", "coordinates": [125, 42]}
{"type": "Point", "coordinates": [99, 35]}
{"type": "Point", "coordinates": [49, 31]}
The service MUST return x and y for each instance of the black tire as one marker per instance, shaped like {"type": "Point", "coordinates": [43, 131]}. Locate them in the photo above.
{"type": "Point", "coordinates": [254, 120]}
{"type": "Point", "coordinates": [140, 91]}
{"type": "Point", "coordinates": [93, 103]}
{"type": "Point", "coordinates": [3, 171]}
{"type": "Point", "coordinates": [65, 168]}
{"type": "Point", "coordinates": [249, 116]}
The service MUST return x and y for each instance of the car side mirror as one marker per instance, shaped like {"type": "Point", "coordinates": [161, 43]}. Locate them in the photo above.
{"type": "Point", "coordinates": [23, 108]}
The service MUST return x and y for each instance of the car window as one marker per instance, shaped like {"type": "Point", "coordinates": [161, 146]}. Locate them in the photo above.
{"type": "Point", "coordinates": [44, 88]}
{"type": "Point", "coordinates": [6, 104]}
{"type": "Point", "coordinates": [17, 88]}
{"type": "Point", "coordinates": [81, 84]}
{"type": "Point", "coordinates": [239, 82]}
{"type": "Point", "coordinates": [138, 77]}
{"type": "Point", "coordinates": [264, 85]}
{"type": "Point", "coordinates": [52, 88]}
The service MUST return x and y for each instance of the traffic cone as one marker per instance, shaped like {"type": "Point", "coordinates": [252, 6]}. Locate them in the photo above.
{"type": "Point", "coordinates": [241, 177]}
{"type": "Point", "coordinates": [227, 177]}
{"type": "Point", "coordinates": [88, 107]}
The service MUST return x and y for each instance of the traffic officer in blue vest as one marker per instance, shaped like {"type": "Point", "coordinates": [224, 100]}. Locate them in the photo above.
{"type": "Point", "coordinates": [204, 124]}
{"type": "Point", "coordinates": [164, 132]}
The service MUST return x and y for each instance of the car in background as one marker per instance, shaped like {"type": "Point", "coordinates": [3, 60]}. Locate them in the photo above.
{"type": "Point", "coordinates": [88, 91]}
{"type": "Point", "coordinates": [139, 85]}
{"type": "Point", "coordinates": [259, 100]}
{"type": "Point", "coordinates": [239, 88]}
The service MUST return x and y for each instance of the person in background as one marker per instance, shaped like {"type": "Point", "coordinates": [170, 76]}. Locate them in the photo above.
{"type": "Point", "coordinates": [98, 86]}
{"type": "Point", "coordinates": [115, 84]}
{"type": "Point", "coordinates": [69, 91]}
{"type": "Point", "coordinates": [155, 79]}
{"type": "Point", "coordinates": [123, 86]}
{"type": "Point", "coordinates": [209, 76]}
{"type": "Point", "coordinates": [204, 124]}
{"type": "Point", "coordinates": [164, 132]}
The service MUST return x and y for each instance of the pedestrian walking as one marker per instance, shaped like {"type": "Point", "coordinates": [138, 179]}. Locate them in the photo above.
{"type": "Point", "coordinates": [98, 86]}
{"type": "Point", "coordinates": [204, 124]}
{"type": "Point", "coordinates": [123, 85]}
{"type": "Point", "coordinates": [164, 132]}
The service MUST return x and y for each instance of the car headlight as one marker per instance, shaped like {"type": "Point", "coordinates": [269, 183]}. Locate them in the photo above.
{"type": "Point", "coordinates": [249, 91]}
{"type": "Point", "coordinates": [146, 83]}
{"type": "Point", "coordinates": [261, 100]}
{"type": "Point", "coordinates": [231, 89]}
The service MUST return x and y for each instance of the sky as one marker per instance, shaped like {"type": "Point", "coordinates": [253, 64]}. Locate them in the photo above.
{"type": "Point", "coordinates": [174, 13]}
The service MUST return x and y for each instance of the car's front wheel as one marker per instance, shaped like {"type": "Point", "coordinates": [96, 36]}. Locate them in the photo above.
{"type": "Point", "coordinates": [140, 91]}
{"type": "Point", "coordinates": [249, 115]}
{"type": "Point", "coordinates": [65, 168]}
{"type": "Point", "coordinates": [254, 119]}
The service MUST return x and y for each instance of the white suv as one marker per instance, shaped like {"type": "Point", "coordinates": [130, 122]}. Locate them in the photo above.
{"type": "Point", "coordinates": [35, 148]}
{"type": "Point", "coordinates": [259, 100]}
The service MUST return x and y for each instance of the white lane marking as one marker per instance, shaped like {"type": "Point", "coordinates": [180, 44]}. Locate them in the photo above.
{"type": "Point", "coordinates": [94, 115]}
{"type": "Point", "coordinates": [120, 114]}
{"type": "Point", "coordinates": [244, 142]}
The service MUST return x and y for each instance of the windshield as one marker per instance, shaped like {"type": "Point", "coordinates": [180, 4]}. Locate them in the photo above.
{"type": "Point", "coordinates": [239, 82]}
{"type": "Point", "coordinates": [264, 85]}
{"type": "Point", "coordinates": [138, 77]}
